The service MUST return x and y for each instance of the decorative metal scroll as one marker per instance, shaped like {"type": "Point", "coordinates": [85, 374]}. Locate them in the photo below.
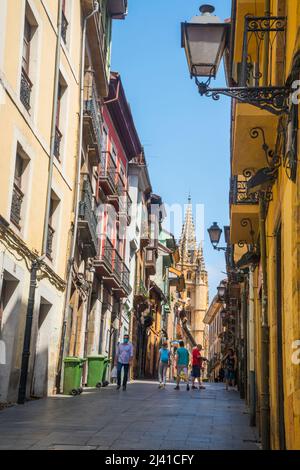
{"type": "Point", "coordinates": [255, 32]}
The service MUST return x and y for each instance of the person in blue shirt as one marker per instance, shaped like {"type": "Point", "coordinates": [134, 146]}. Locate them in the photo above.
{"type": "Point", "coordinates": [164, 363]}
{"type": "Point", "coordinates": [182, 363]}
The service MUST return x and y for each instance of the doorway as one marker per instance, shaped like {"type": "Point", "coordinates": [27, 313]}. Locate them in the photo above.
{"type": "Point", "coordinates": [39, 387]}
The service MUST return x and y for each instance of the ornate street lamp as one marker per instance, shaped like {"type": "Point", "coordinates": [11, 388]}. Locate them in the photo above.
{"type": "Point", "coordinates": [205, 39]}
{"type": "Point", "coordinates": [215, 233]}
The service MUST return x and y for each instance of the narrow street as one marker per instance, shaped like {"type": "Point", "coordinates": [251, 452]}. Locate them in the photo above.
{"type": "Point", "coordinates": [143, 417]}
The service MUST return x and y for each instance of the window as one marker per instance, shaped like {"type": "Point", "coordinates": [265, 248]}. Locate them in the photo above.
{"type": "Point", "coordinates": [26, 84]}
{"type": "Point", "coordinates": [53, 222]}
{"type": "Point", "coordinates": [26, 45]}
{"type": "Point", "coordinates": [58, 134]}
{"type": "Point", "coordinates": [65, 24]}
{"type": "Point", "coordinates": [18, 195]}
{"type": "Point", "coordinates": [189, 276]}
{"type": "Point", "coordinates": [60, 117]}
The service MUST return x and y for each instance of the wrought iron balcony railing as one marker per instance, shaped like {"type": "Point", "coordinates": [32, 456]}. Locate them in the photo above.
{"type": "Point", "coordinates": [64, 28]}
{"type": "Point", "coordinates": [106, 253]}
{"type": "Point", "coordinates": [16, 205]}
{"type": "Point", "coordinates": [26, 88]}
{"type": "Point", "coordinates": [126, 279]}
{"type": "Point", "coordinates": [91, 109]}
{"type": "Point", "coordinates": [125, 204]}
{"type": "Point", "coordinates": [238, 192]}
{"type": "Point", "coordinates": [119, 185]}
{"type": "Point", "coordinates": [86, 210]}
{"type": "Point", "coordinates": [57, 143]}
{"type": "Point", "coordinates": [50, 238]}
{"type": "Point", "coordinates": [117, 267]}
{"type": "Point", "coordinates": [107, 174]}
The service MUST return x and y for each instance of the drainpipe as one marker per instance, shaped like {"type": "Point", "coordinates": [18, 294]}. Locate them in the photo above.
{"type": "Point", "coordinates": [76, 199]}
{"type": "Point", "coordinates": [53, 130]}
{"type": "Point", "coordinates": [266, 47]}
{"type": "Point", "coordinates": [36, 264]}
{"type": "Point", "coordinates": [252, 394]}
{"type": "Point", "coordinates": [265, 392]}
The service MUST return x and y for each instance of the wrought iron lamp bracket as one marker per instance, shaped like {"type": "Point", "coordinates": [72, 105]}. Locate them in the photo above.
{"type": "Point", "coordinates": [270, 98]}
{"type": "Point", "coordinates": [220, 248]}
{"type": "Point", "coordinates": [273, 99]}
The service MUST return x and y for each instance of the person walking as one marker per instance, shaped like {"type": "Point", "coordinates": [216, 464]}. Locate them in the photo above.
{"type": "Point", "coordinates": [163, 364]}
{"type": "Point", "coordinates": [230, 367]}
{"type": "Point", "coordinates": [123, 359]}
{"type": "Point", "coordinates": [197, 360]}
{"type": "Point", "coordinates": [182, 363]}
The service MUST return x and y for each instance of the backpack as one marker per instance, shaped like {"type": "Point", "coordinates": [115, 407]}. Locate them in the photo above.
{"type": "Point", "coordinates": [164, 355]}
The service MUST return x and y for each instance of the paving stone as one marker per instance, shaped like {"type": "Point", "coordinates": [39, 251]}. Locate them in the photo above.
{"type": "Point", "coordinates": [143, 418]}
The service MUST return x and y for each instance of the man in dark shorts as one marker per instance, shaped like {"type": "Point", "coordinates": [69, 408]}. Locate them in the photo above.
{"type": "Point", "coordinates": [197, 360]}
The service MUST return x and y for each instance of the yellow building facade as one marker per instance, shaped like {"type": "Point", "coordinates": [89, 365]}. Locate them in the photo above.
{"type": "Point", "coordinates": [264, 213]}
{"type": "Point", "coordinates": [54, 76]}
{"type": "Point", "coordinates": [28, 45]}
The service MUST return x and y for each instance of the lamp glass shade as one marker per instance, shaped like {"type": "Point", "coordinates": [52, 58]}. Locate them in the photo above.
{"type": "Point", "coordinates": [215, 233]}
{"type": "Point", "coordinates": [221, 291]}
{"type": "Point", "coordinates": [204, 45]}
{"type": "Point", "coordinates": [117, 8]}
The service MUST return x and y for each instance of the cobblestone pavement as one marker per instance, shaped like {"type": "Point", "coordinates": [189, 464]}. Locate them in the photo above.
{"type": "Point", "coordinates": [143, 417]}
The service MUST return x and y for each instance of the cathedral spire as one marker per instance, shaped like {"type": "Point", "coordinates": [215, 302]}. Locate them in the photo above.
{"type": "Point", "coordinates": [200, 257]}
{"type": "Point", "coordinates": [187, 243]}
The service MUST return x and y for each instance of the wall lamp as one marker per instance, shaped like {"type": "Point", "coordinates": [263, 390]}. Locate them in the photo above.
{"type": "Point", "coordinates": [215, 233]}
{"type": "Point", "coordinates": [206, 38]}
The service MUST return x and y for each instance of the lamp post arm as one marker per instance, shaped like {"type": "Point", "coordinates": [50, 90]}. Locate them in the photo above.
{"type": "Point", "coordinates": [272, 99]}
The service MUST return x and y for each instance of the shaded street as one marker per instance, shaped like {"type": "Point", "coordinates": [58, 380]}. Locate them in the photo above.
{"type": "Point", "coordinates": [143, 417]}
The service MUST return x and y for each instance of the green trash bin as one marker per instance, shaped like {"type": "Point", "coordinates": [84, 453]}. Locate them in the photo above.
{"type": "Point", "coordinates": [104, 379]}
{"type": "Point", "coordinates": [73, 375]}
{"type": "Point", "coordinates": [95, 370]}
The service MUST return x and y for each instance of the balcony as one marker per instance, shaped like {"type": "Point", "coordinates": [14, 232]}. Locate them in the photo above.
{"type": "Point", "coordinates": [107, 174]}
{"type": "Point", "coordinates": [125, 206]}
{"type": "Point", "coordinates": [57, 143]}
{"type": "Point", "coordinates": [126, 280]}
{"type": "Point", "coordinates": [116, 198]}
{"type": "Point", "coordinates": [92, 124]}
{"type": "Point", "coordinates": [238, 192]}
{"type": "Point", "coordinates": [244, 212]}
{"type": "Point", "coordinates": [97, 39]}
{"type": "Point", "coordinates": [150, 260]}
{"type": "Point", "coordinates": [50, 238]}
{"type": "Point", "coordinates": [117, 271]}
{"type": "Point", "coordinates": [124, 290]}
{"type": "Point", "coordinates": [26, 88]}
{"type": "Point", "coordinates": [16, 205]}
{"type": "Point", "coordinates": [145, 235]}
{"type": "Point", "coordinates": [104, 261]}
{"type": "Point", "coordinates": [118, 9]}
{"type": "Point", "coordinates": [87, 223]}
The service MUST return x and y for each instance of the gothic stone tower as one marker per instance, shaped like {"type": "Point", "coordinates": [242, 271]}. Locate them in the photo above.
{"type": "Point", "coordinates": [192, 266]}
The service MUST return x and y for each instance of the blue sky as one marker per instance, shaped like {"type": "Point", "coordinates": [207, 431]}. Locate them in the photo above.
{"type": "Point", "coordinates": [186, 136]}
